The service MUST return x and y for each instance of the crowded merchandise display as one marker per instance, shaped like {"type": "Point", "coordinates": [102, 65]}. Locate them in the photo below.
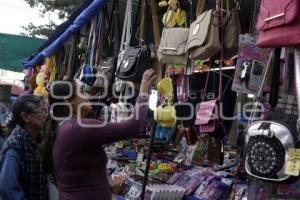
{"type": "Point", "coordinates": [222, 119]}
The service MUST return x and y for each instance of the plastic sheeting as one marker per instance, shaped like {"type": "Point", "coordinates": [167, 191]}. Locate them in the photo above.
{"type": "Point", "coordinates": [83, 18]}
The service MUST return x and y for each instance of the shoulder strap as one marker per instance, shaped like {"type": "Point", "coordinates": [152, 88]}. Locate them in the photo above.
{"type": "Point", "coordinates": [222, 50]}
{"type": "Point", "coordinates": [207, 80]}
{"type": "Point", "coordinates": [201, 7]}
{"type": "Point", "coordinates": [275, 78]}
{"type": "Point", "coordinates": [126, 33]}
{"type": "Point", "coordinates": [297, 80]}
{"type": "Point", "coordinates": [142, 23]}
{"type": "Point", "coordinates": [134, 40]}
{"type": "Point", "coordinates": [155, 23]}
{"type": "Point", "coordinates": [112, 38]}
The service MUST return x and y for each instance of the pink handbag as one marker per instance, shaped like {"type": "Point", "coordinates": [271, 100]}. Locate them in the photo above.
{"type": "Point", "coordinates": [279, 23]}
{"type": "Point", "coordinates": [207, 118]}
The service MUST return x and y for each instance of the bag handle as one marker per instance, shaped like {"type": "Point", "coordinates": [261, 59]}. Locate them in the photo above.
{"type": "Point", "coordinates": [297, 80]}
{"type": "Point", "coordinates": [112, 38]}
{"type": "Point", "coordinates": [142, 30]}
{"type": "Point", "coordinates": [201, 7]}
{"type": "Point", "coordinates": [142, 23]}
{"type": "Point", "coordinates": [259, 93]}
{"type": "Point", "coordinates": [126, 33]}
{"type": "Point", "coordinates": [155, 23]}
{"type": "Point", "coordinates": [207, 80]}
{"type": "Point", "coordinates": [219, 4]}
{"type": "Point", "coordinates": [275, 78]}
{"type": "Point", "coordinates": [222, 51]}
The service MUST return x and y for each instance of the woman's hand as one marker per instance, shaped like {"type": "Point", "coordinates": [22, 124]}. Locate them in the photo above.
{"type": "Point", "coordinates": [149, 77]}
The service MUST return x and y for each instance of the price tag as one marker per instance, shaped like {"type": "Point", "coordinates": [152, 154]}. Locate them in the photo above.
{"type": "Point", "coordinates": [294, 154]}
{"type": "Point", "coordinates": [292, 168]}
{"type": "Point", "coordinates": [293, 164]}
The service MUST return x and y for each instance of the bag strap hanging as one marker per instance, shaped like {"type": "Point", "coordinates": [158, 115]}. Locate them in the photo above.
{"type": "Point", "coordinates": [142, 23]}
{"type": "Point", "coordinates": [155, 23]}
{"type": "Point", "coordinates": [203, 98]}
{"type": "Point", "coordinates": [275, 78]}
{"type": "Point", "coordinates": [156, 30]}
{"type": "Point", "coordinates": [259, 93]}
{"type": "Point", "coordinates": [201, 7]}
{"type": "Point", "coordinates": [101, 33]}
{"type": "Point", "coordinates": [112, 36]}
{"type": "Point", "coordinates": [143, 29]}
{"type": "Point", "coordinates": [222, 51]}
{"type": "Point", "coordinates": [126, 33]}
{"type": "Point", "coordinates": [297, 80]}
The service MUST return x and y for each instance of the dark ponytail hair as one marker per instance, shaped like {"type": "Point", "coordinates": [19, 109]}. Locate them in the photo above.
{"type": "Point", "coordinates": [58, 90]}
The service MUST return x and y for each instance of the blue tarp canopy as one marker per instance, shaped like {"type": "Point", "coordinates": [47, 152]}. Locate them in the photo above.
{"type": "Point", "coordinates": [65, 31]}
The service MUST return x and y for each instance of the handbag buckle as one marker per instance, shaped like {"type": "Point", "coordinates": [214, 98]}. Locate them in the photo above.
{"type": "Point", "coordinates": [274, 17]}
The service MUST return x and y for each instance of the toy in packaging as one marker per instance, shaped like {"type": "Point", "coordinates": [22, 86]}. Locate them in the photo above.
{"type": "Point", "coordinates": [250, 67]}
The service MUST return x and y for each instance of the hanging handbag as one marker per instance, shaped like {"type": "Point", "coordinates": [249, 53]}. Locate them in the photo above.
{"type": "Point", "coordinates": [208, 114]}
{"type": "Point", "coordinates": [135, 62]}
{"type": "Point", "coordinates": [204, 39]}
{"type": "Point", "coordinates": [105, 73]}
{"type": "Point", "coordinates": [207, 117]}
{"type": "Point", "coordinates": [108, 59]}
{"type": "Point", "coordinates": [278, 23]}
{"type": "Point", "coordinates": [125, 41]}
{"type": "Point", "coordinates": [172, 46]}
{"type": "Point", "coordinates": [232, 30]}
{"type": "Point", "coordinates": [215, 150]}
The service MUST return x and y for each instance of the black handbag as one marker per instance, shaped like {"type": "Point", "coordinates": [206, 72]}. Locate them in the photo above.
{"type": "Point", "coordinates": [135, 62]}
{"type": "Point", "coordinates": [137, 59]}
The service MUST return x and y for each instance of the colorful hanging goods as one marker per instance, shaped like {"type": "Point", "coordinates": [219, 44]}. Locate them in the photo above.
{"type": "Point", "coordinates": [174, 15]}
{"type": "Point", "coordinates": [40, 90]}
{"type": "Point", "coordinates": [165, 115]}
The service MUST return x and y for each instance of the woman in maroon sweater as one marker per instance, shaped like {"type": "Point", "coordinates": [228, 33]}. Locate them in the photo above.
{"type": "Point", "coordinates": [78, 158]}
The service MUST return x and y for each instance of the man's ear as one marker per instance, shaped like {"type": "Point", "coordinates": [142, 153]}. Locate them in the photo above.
{"type": "Point", "coordinates": [25, 117]}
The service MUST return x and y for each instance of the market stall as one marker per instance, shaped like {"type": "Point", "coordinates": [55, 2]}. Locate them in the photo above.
{"type": "Point", "coordinates": [223, 114]}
